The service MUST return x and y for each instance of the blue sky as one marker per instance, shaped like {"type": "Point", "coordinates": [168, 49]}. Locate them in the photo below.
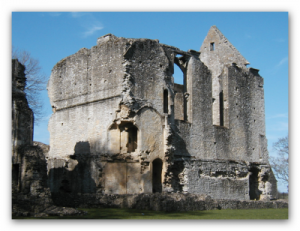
{"type": "Point", "coordinates": [261, 37]}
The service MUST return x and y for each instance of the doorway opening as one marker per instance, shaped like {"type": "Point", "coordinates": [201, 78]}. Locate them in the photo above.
{"type": "Point", "coordinates": [254, 192]}
{"type": "Point", "coordinates": [156, 175]}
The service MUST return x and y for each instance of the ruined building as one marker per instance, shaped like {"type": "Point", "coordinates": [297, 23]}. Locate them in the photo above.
{"type": "Point", "coordinates": [30, 193]}
{"type": "Point", "coordinates": [120, 124]}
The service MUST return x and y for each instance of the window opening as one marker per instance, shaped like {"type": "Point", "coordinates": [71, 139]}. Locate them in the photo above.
{"type": "Point", "coordinates": [132, 139]}
{"type": "Point", "coordinates": [166, 104]}
{"type": "Point", "coordinates": [221, 108]}
{"type": "Point", "coordinates": [156, 175]}
{"type": "Point", "coordinates": [180, 79]}
{"type": "Point", "coordinates": [15, 174]}
{"type": "Point", "coordinates": [178, 74]}
{"type": "Point", "coordinates": [128, 137]}
{"type": "Point", "coordinates": [212, 46]}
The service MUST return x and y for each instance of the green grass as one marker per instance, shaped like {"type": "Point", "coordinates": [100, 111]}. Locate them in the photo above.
{"type": "Point", "coordinates": [111, 213]}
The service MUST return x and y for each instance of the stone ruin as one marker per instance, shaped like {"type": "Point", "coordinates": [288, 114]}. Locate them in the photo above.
{"type": "Point", "coordinates": [29, 168]}
{"type": "Point", "coordinates": [123, 134]}
{"type": "Point", "coordinates": [120, 125]}
{"type": "Point", "coordinates": [31, 195]}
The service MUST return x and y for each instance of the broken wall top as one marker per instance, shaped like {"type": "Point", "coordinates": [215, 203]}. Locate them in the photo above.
{"type": "Point", "coordinates": [18, 77]}
{"type": "Point", "coordinates": [115, 68]}
{"type": "Point", "coordinates": [217, 51]}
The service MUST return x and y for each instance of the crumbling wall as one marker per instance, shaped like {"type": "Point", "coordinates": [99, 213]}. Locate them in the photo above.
{"type": "Point", "coordinates": [22, 122]}
{"type": "Point", "coordinates": [22, 116]}
{"type": "Point", "coordinates": [98, 97]}
{"type": "Point", "coordinates": [85, 90]}
{"type": "Point", "coordinates": [169, 202]}
{"type": "Point", "coordinates": [246, 133]}
{"type": "Point", "coordinates": [218, 179]}
{"type": "Point", "coordinates": [30, 193]}
{"type": "Point", "coordinates": [120, 125]}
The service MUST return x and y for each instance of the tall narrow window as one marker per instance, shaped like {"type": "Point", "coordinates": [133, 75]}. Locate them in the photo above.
{"type": "Point", "coordinates": [156, 175]}
{"type": "Point", "coordinates": [221, 108]}
{"type": "Point", "coordinates": [212, 46]}
{"type": "Point", "coordinates": [132, 139]}
{"type": "Point", "coordinates": [165, 101]}
{"type": "Point", "coordinates": [15, 175]}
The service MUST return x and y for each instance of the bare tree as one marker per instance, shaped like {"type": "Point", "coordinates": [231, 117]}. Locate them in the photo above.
{"type": "Point", "coordinates": [280, 164]}
{"type": "Point", "coordinates": [35, 83]}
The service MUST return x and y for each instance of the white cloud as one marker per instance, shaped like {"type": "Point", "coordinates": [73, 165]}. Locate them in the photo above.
{"type": "Point", "coordinates": [88, 22]}
{"type": "Point", "coordinates": [282, 61]}
{"type": "Point", "coordinates": [92, 30]}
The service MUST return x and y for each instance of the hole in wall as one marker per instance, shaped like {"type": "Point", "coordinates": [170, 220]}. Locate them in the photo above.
{"type": "Point", "coordinates": [178, 74]}
{"type": "Point", "coordinates": [221, 100]}
{"type": "Point", "coordinates": [254, 192]}
{"type": "Point", "coordinates": [166, 101]}
{"type": "Point", "coordinates": [15, 174]}
{"type": "Point", "coordinates": [156, 175]}
{"type": "Point", "coordinates": [212, 46]}
{"type": "Point", "coordinates": [123, 137]}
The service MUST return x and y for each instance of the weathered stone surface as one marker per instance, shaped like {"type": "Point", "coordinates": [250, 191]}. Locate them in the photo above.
{"type": "Point", "coordinates": [120, 124]}
{"type": "Point", "coordinates": [22, 116]}
{"type": "Point", "coordinates": [170, 202]}
{"type": "Point", "coordinates": [31, 195]}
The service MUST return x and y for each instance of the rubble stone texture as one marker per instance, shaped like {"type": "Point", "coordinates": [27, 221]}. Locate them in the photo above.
{"type": "Point", "coordinates": [120, 125]}
{"type": "Point", "coordinates": [31, 195]}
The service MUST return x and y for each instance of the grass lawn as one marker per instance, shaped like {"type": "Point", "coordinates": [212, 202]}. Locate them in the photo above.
{"type": "Point", "coordinates": [111, 213]}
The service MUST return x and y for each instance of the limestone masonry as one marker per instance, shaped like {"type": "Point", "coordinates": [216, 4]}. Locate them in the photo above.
{"type": "Point", "coordinates": [120, 125]}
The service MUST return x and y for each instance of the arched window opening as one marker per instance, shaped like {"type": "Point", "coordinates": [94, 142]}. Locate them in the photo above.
{"type": "Point", "coordinates": [156, 175]}
{"type": "Point", "coordinates": [166, 104]}
{"type": "Point", "coordinates": [178, 75]}
{"type": "Point", "coordinates": [180, 82]}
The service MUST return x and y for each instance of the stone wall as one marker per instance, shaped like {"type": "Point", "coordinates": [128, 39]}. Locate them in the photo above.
{"type": "Point", "coordinates": [22, 116]}
{"type": "Point", "coordinates": [30, 192]}
{"type": "Point", "coordinates": [168, 202]}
